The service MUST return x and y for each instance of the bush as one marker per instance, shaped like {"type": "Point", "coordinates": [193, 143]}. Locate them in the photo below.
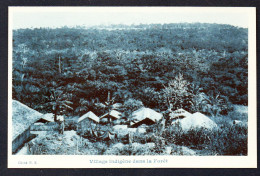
{"type": "Point", "coordinates": [129, 149]}
{"type": "Point", "coordinates": [130, 106]}
{"type": "Point", "coordinates": [89, 148]}
{"type": "Point", "coordinates": [230, 140]}
{"type": "Point", "coordinates": [227, 140]}
{"type": "Point", "coordinates": [70, 125]}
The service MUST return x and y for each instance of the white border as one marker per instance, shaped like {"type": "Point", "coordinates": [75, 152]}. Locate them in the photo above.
{"type": "Point", "coordinates": [80, 161]}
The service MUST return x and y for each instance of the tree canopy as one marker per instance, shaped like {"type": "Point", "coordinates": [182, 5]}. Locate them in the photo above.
{"type": "Point", "coordinates": [130, 62]}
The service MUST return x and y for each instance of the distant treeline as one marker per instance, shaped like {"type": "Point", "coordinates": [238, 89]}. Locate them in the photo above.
{"type": "Point", "coordinates": [130, 62]}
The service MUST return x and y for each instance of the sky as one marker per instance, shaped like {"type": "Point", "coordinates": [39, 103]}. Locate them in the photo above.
{"type": "Point", "coordinates": [35, 17]}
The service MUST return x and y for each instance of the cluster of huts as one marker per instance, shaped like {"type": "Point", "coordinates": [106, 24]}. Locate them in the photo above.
{"type": "Point", "coordinates": [146, 116]}
{"type": "Point", "coordinates": [25, 118]}
{"type": "Point", "coordinates": [142, 116]}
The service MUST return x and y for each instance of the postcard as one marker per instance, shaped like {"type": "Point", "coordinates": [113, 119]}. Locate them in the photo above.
{"type": "Point", "coordinates": [132, 87]}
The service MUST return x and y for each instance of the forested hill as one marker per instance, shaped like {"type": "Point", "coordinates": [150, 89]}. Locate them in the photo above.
{"type": "Point", "coordinates": [133, 63]}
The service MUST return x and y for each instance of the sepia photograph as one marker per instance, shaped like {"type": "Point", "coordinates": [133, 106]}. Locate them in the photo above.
{"type": "Point", "coordinates": [131, 85]}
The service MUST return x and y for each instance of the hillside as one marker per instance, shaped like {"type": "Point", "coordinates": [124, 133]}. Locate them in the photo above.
{"type": "Point", "coordinates": [132, 63]}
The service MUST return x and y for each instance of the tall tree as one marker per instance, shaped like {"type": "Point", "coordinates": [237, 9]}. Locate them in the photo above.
{"type": "Point", "coordinates": [176, 92]}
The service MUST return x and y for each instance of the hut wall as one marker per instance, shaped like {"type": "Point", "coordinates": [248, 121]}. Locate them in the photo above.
{"type": "Point", "coordinates": [20, 140]}
{"type": "Point", "coordinates": [50, 126]}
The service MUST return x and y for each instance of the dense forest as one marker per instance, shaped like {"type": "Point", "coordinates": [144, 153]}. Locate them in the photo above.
{"type": "Point", "coordinates": [199, 67]}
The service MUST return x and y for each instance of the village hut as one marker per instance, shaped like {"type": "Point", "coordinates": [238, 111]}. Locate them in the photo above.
{"type": "Point", "coordinates": [22, 119]}
{"type": "Point", "coordinates": [145, 116]}
{"type": "Point", "coordinates": [87, 121]}
{"type": "Point", "coordinates": [112, 116]}
{"type": "Point", "coordinates": [45, 123]}
{"type": "Point", "coordinates": [49, 117]}
{"type": "Point", "coordinates": [91, 116]}
{"type": "Point", "coordinates": [195, 121]}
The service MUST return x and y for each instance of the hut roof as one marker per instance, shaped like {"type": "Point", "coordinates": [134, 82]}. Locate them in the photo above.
{"type": "Point", "coordinates": [144, 113]}
{"type": "Point", "coordinates": [22, 117]}
{"type": "Point", "coordinates": [48, 117]}
{"type": "Point", "coordinates": [89, 115]}
{"type": "Point", "coordinates": [179, 113]}
{"type": "Point", "coordinates": [112, 113]}
{"type": "Point", "coordinates": [144, 122]}
{"type": "Point", "coordinates": [196, 120]}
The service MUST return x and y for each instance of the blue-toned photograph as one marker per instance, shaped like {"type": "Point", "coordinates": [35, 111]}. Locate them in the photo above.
{"type": "Point", "coordinates": [130, 81]}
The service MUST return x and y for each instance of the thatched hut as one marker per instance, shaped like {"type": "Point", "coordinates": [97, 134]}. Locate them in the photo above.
{"type": "Point", "coordinates": [45, 123]}
{"type": "Point", "coordinates": [22, 119]}
{"type": "Point", "coordinates": [145, 116]}
{"type": "Point", "coordinates": [112, 116]}
{"type": "Point", "coordinates": [195, 121]}
{"type": "Point", "coordinates": [87, 121]}
{"type": "Point", "coordinates": [49, 117]}
{"type": "Point", "coordinates": [91, 116]}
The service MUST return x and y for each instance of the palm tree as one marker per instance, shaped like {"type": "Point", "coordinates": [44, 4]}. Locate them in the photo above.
{"type": "Point", "coordinates": [58, 102]}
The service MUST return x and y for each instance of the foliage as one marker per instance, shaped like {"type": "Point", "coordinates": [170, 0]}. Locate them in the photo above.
{"type": "Point", "coordinates": [70, 125]}
{"type": "Point", "coordinates": [129, 149]}
{"type": "Point", "coordinates": [131, 105]}
{"type": "Point", "coordinates": [216, 104]}
{"type": "Point", "coordinates": [229, 140]}
{"type": "Point", "coordinates": [176, 92]}
{"type": "Point", "coordinates": [130, 63]}
{"type": "Point", "coordinates": [59, 102]}
{"type": "Point", "coordinates": [198, 67]}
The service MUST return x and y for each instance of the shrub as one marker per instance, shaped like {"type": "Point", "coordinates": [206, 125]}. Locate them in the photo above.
{"type": "Point", "coordinates": [70, 125]}
{"type": "Point", "coordinates": [130, 106]}
{"type": "Point", "coordinates": [230, 140]}
{"type": "Point", "coordinates": [129, 149]}
{"type": "Point", "coordinates": [234, 115]}
{"type": "Point", "coordinates": [89, 148]}
{"type": "Point", "coordinates": [227, 140]}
